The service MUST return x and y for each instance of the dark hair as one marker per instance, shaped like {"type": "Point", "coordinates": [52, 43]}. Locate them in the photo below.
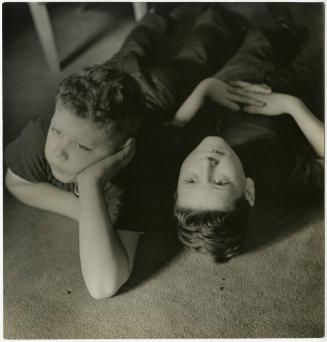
{"type": "Point", "coordinates": [217, 233]}
{"type": "Point", "coordinates": [106, 96]}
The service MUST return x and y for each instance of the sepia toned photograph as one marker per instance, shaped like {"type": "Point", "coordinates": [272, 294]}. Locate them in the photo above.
{"type": "Point", "coordinates": [163, 170]}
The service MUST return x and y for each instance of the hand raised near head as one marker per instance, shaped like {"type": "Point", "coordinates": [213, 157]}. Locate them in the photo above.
{"type": "Point", "coordinates": [108, 167]}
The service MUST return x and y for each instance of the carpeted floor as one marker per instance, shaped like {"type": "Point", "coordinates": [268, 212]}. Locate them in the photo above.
{"type": "Point", "coordinates": [274, 289]}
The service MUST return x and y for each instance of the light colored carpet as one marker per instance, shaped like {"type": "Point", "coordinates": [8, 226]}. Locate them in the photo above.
{"type": "Point", "coordinates": [276, 289]}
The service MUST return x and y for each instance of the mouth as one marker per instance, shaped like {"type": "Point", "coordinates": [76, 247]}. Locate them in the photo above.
{"type": "Point", "coordinates": [212, 156]}
{"type": "Point", "coordinates": [215, 151]}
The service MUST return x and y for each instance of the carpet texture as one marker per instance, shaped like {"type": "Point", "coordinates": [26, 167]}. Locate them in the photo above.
{"type": "Point", "coordinates": [274, 289]}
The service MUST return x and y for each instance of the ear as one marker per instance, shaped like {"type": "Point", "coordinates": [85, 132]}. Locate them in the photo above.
{"type": "Point", "coordinates": [250, 191]}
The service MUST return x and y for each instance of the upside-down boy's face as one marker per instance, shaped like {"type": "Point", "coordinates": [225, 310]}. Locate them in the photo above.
{"type": "Point", "coordinates": [211, 177]}
{"type": "Point", "coordinates": [74, 143]}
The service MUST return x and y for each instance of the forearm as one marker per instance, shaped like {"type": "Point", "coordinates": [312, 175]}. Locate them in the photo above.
{"type": "Point", "coordinates": [46, 197]}
{"type": "Point", "coordinates": [104, 261]}
{"type": "Point", "coordinates": [310, 125]}
{"type": "Point", "coordinates": [191, 105]}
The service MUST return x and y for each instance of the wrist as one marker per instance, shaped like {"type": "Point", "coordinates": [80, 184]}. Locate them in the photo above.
{"type": "Point", "coordinates": [75, 208]}
{"type": "Point", "coordinates": [295, 105]}
{"type": "Point", "coordinates": [178, 122]}
{"type": "Point", "coordinates": [85, 182]}
{"type": "Point", "coordinates": [205, 85]}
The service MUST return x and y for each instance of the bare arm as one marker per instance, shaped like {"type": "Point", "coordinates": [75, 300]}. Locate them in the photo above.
{"type": "Point", "coordinates": [276, 104]}
{"type": "Point", "coordinates": [217, 91]}
{"type": "Point", "coordinates": [310, 125]}
{"type": "Point", "coordinates": [252, 60]}
{"type": "Point", "coordinates": [191, 105]}
{"type": "Point", "coordinates": [43, 196]}
{"type": "Point", "coordinates": [105, 262]}
{"type": "Point", "coordinates": [106, 256]}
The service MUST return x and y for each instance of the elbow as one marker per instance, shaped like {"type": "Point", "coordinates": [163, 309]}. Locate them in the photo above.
{"type": "Point", "coordinates": [12, 188]}
{"type": "Point", "coordinates": [102, 293]}
{"type": "Point", "coordinates": [9, 183]}
{"type": "Point", "coordinates": [13, 185]}
{"type": "Point", "coordinates": [105, 289]}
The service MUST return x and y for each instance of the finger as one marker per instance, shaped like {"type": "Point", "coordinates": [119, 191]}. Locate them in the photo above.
{"type": "Point", "coordinates": [256, 88]}
{"type": "Point", "coordinates": [265, 85]}
{"type": "Point", "coordinates": [126, 152]}
{"type": "Point", "coordinates": [120, 159]}
{"type": "Point", "coordinates": [239, 83]}
{"type": "Point", "coordinates": [259, 88]}
{"type": "Point", "coordinates": [238, 91]}
{"type": "Point", "coordinates": [246, 100]}
{"type": "Point", "coordinates": [253, 110]}
{"type": "Point", "coordinates": [130, 154]}
{"type": "Point", "coordinates": [128, 142]}
{"type": "Point", "coordinates": [128, 145]}
{"type": "Point", "coordinates": [231, 105]}
{"type": "Point", "coordinates": [250, 90]}
{"type": "Point", "coordinates": [243, 84]}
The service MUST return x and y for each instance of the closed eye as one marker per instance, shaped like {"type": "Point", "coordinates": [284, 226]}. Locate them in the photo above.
{"type": "Point", "coordinates": [55, 130]}
{"type": "Point", "coordinates": [79, 146]}
{"type": "Point", "coordinates": [82, 147]}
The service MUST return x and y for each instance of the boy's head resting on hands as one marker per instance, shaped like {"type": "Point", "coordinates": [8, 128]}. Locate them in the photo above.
{"type": "Point", "coordinates": [213, 200]}
{"type": "Point", "coordinates": [96, 112]}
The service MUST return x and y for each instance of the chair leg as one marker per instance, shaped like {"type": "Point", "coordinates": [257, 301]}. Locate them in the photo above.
{"type": "Point", "coordinates": [140, 9]}
{"type": "Point", "coordinates": [44, 31]}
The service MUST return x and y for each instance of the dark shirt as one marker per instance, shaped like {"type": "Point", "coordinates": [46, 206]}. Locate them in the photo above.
{"type": "Point", "coordinates": [273, 152]}
{"type": "Point", "coordinates": [277, 170]}
{"type": "Point", "coordinates": [150, 180]}
{"type": "Point", "coordinates": [25, 157]}
{"type": "Point", "coordinates": [136, 195]}
{"type": "Point", "coordinates": [160, 151]}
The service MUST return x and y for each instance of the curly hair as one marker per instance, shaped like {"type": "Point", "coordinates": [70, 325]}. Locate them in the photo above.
{"type": "Point", "coordinates": [106, 96]}
{"type": "Point", "coordinates": [217, 233]}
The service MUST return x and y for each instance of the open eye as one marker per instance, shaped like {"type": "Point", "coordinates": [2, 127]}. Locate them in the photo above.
{"type": "Point", "coordinates": [189, 180]}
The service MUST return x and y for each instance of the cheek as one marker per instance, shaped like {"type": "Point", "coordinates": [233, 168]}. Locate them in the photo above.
{"type": "Point", "coordinates": [188, 164]}
{"type": "Point", "coordinates": [238, 171]}
{"type": "Point", "coordinates": [49, 144]}
{"type": "Point", "coordinates": [182, 173]}
{"type": "Point", "coordinates": [180, 196]}
{"type": "Point", "coordinates": [80, 161]}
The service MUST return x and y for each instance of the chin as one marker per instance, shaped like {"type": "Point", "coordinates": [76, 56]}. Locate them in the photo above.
{"type": "Point", "coordinates": [63, 178]}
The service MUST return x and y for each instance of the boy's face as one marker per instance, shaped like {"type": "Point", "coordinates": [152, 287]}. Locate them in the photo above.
{"type": "Point", "coordinates": [74, 143]}
{"type": "Point", "coordinates": [211, 177]}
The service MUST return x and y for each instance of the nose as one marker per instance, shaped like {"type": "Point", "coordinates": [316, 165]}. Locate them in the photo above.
{"type": "Point", "coordinates": [60, 152]}
{"type": "Point", "coordinates": [209, 165]}
{"type": "Point", "coordinates": [213, 162]}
